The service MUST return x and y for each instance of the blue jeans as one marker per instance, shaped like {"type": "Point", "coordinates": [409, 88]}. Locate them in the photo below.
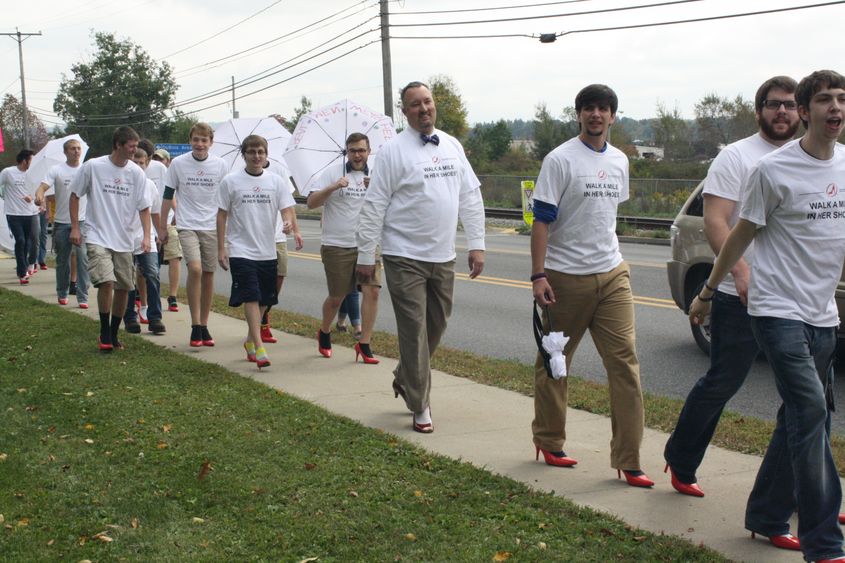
{"type": "Point", "coordinates": [351, 308]}
{"type": "Point", "coordinates": [61, 240]}
{"type": "Point", "coordinates": [42, 238]}
{"type": "Point", "coordinates": [148, 267]}
{"type": "Point", "coordinates": [732, 352]}
{"type": "Point", "coordinates": [24, 229]}
{"type": "Point", "coordinates": [798, 465]}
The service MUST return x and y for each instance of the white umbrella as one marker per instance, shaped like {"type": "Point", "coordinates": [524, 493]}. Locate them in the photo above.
{"type": "Point", "coordinates": [229, 136]}
{"type": "Point", "coordinates": [319, 139]}
{"type": "Point", "coordinates": [52, 154]}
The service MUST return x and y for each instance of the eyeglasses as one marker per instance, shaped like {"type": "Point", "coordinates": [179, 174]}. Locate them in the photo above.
{"type": "Point", "coordinates": [789, 105]}
{"type": "Point", "coordinates": [357, 151]}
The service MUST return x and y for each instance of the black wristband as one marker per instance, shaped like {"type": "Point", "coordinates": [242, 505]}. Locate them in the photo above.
{"type": "Point", "coordinates": [713, 289]}
{"type": "Point", "coordinates": [538, 276]}
{"type": "Point", "coordinates": [703, 300]}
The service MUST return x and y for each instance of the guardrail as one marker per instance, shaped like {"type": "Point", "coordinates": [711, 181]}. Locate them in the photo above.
{"type": "Point", "coordinates": [516, 214]}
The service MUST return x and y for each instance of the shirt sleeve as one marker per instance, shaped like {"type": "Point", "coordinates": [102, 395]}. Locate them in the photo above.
{"type": "Point", "coordinates": [760, 200]}
{"type": "Point", "coordinates": [81, 183]}
{"type": "Point", "coordinates": [155, 202]}
{"type": "Point", "coordinates": [471, 208]}
{"type": "Point", "coordinates": [724, 177]}
{"type": "Point", "coordinates": [171, 179]}
{"type": "Point", "coordinates": [144, 200]}
{"type": "Point", "coordinates": [551, 181]}
{"type": "Point", "coordinates": [223, 195]}
{"type": "Point", "coordinates": [371, 218]}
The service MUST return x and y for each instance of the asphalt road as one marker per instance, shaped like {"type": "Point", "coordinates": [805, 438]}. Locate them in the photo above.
{"type": "Point", "coordinates": [492, 317]}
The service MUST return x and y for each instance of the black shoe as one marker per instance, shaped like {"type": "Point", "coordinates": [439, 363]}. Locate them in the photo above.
{"type": "Point", "coordinates": [72, 289]}
{"type": "Point", "coordinates": [157, 327]}
{"type": "Point", "coordinates": [132, 326]}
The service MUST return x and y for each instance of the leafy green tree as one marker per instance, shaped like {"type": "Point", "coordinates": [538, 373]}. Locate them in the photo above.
{"type": "Point", "coordinates": [451, 111]}
{"type": "Point", "coordinates": [672, 133]}
{"type": "Point", "coordinates": [11, 122]}
{"type": "Point", "coordinates": [721, 121]}
{"type": "Point", "coordinates": [548, 132]}
{"type": "Point", "coordinates": [178, 129]}
{"type": "Point", "coordinates": [620, 139]}
{"type": "Point", "coordinates": [121, 85]}
{"type": "Point", "coordinates": [305, 105]}
{"type": "Point", "coordinates": [498, 140]}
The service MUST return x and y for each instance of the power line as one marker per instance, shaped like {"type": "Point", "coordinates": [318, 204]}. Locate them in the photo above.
{"type": "Point", "coordinates": [549, 16]}
{"type": "Point", "coordinates": [221, 32]}
{"type": "Point", "coordinates": [489, 9]}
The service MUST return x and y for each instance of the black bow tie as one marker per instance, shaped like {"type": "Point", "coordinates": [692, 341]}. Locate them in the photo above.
{"type": "Point", "coordinates": [433, 139]}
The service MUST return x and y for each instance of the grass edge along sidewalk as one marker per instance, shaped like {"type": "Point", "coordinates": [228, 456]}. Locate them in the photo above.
{"type": "Point", "coordinates": [735, 432]}
{"type": "Point", "coordinates": [148, 454]}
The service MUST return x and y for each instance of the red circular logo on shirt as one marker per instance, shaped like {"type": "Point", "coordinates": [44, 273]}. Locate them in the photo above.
{"type": "Point", "coordinates": [256, 189]}
{"type": "Point", "coordinates": [118, 181]}
{"type": "Point", "coordinates": [435, 159]}
{"type": "Point", "coordinates": [200, 172]}
{"type": "Point", "coordinates": [832, 190]}
{"type": "Point", "coordinates": [602, 175]}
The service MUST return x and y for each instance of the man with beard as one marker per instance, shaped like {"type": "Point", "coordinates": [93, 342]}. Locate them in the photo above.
{"type": "Point", "coordinates": [732, 345]}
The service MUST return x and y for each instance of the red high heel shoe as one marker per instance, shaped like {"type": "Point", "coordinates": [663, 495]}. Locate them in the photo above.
{"type": "Point", "coordinates": [782, 541]}
{"type": "Point", "coordinates": [558, 459]}
{"type": "Point", "coordinates": [365, 354]}
{"type": "Point", "coordinates": [641, 480]}
{"type": "Point", "coordinates": [267, 335]}
{"type": "Point", "coordinates": [423, 427]}
{"type": "Point", "coordinates": [104, 346]}
{"type": "Point", "coordinates": [326, 352]}
{"type": "Point", "coordinates": [691, 489]}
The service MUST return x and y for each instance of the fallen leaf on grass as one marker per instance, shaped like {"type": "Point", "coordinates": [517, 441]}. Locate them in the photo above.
{"type": "Point", "coordinates": [542, 525]}
{"type": "Point", "coordinates": [19, 495]}
{"type": "Point", "coordinates": [205, 469]}
{"type": "Point", "coordinates": [89, 441]}
{"type": "Point", "coordinates": [89, 393]}
{"type": "Point", "coordinates": [639, 538]}
{"type": "Point", "coordinates": [114, 526]}
{"type": "Point", "coordinates": [22, 390]}
{"type": "Point", "coordinates": [410, 537]}
{"type": "Point", "coordinates": [4, 457]}
{"type": "Point", "coordinates": [197, 520]}
{"type": "Point", "coordinates": [166, 428]}
{"type": "Point", "coordinates": [134, 523]}
{"type": "Point", "coordinates": [32, 408]}
{"type": "Point", "coordinates": [502, 556]}
{"type": "Point", "coordinates": [310, 466]}
{"type": "Point", "coordinates": [89, 426]}
{"type": "Point", "coordinates": [542, 546]}
{"type": "Point", "coordinates": [418, 493]}
{"type": "Point", "coordinates": [84, 561]}
{"type": "Point", "coordinates": [103, 537]}
{"type": "Point", "coordinates": [162, 445]}
{"type": "Point", "coordinates": [23, 522]}
{"type": "Point", "coordinates": [51, 542]}
{"type": "Point", "coordinates": [310, 559]}
{"type": "Point", "coordinates": [2, 518]}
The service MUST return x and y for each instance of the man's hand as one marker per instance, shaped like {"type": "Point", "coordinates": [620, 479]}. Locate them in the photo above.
{"type": "Point", "coordinates": [341, 183]}
{"type": "Point", "coordinates": [223, 258]}
{"type": "Point", "coordinates": [145, 246]}
{"type": "Point", "coordinates": [27, 199]}
{"type": "Point", "coordinates": [39, 200]}
{"type": "Point", "coordinates": [475, 258]}
{"type": "Point", "coordinates": [75, 236]}
{"type": "Point", "coordinates": [287, 227]}
{"type": "Point", "coordinates": [698, 310]}
{"type": "Point", "coordinates": [299, 242]}
{"type": "Point", "coordinates": [163, 236]}
{"type": "Point", "coordinates": [542, 290]}
{"type": "Point", "coordinates": [365, 272]}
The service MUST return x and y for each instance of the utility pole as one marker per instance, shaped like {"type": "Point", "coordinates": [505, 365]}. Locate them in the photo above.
{"type": "Point", "coordinates": [20, 37]}
{"type": "Point", "coordinates": [234, 111]}
{"type": "Point", "coordinates": [387, 78]}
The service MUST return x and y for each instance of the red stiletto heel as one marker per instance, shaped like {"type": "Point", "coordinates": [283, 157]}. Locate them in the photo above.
{"type": "Point", "coordinates": [327, 350]}
{"type": "Point", "coordinates": [782, 541]}
{"type": "Point", "coordinates": [691, 489]}
{"type": "Point", "coordinates": [640, 480]}
{"type": "Point", "coordinates": [365, 354]}
{"type": "Point", "coordinates": [558, 459]}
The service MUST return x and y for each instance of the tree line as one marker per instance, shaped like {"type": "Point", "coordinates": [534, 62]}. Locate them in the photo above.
{"type": "Point", "coordinates": [122, 84]}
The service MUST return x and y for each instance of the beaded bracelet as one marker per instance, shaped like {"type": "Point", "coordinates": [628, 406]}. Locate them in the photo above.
{"type": "Point", "coordinates": [538, 276]}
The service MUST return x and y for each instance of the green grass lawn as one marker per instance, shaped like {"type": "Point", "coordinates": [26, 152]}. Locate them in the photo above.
{"type": "Point", "coordinates": [149, 455]}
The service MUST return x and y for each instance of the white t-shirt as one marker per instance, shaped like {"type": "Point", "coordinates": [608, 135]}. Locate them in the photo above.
{"type": "Point", "coordinates": [798, 203]}
{"type": "Point", "coordinates": [59, 178]}
{"type": "Point", "coordinates": [157, 172]}
{"type": "Point", "coordinates": [586, 187]}
{"type": "Point", "coordinates": [115, 196]}
{"type": "Point", "coordinates": [253, 204]}
{"type": "Point", "coordinates": [282, 171]}
{"type": "Point", "coordinates": [417, 193]}
{"type": "Point", "coordinates": [341, 209]}
{"type": "Point", "coordinates": [13, 185]}
{"type": "Point", "coordinates": [196, 183]}
{"type": "Point", "coordinates": [155, 207]}
{"type": "Point", "coordinates": [726, 177]}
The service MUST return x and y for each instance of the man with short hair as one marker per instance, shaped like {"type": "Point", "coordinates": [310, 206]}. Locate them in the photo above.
{"type": "Point", "coordinates": [116, 190]}
{"type": "Point", "coordinates": [732, 345]}
{"type": "Point", "coordinates": [579, 276]}
{"type": "Point", "coordinates": [21, 214]}
{"type": "Point", "coordinates": [58, 179]}
{"type": "Point", "coordinates": [422, 183]}
{"type": "Point", "coordinates": [195, 177]}
{"type": "Point", "coordinates": [341, 194]}
{"type": "Point", "coordinates": [792, 211]}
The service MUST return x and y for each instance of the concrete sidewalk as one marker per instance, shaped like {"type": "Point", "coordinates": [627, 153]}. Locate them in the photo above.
{"type": "Point", "coordinates": [486, 426]}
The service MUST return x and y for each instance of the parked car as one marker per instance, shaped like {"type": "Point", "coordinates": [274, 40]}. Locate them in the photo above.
{"type": "Point", "coordinates": [692, 260]}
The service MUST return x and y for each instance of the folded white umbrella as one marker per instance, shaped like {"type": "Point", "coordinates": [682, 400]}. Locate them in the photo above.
{"type": "Point", "coordinates": [52, 154]}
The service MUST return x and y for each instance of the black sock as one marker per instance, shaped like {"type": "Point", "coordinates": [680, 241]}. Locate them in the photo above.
{"type": "Point", "coordinates": [265, 319]}
{"type": "Point", "coordinates": [365, 349]}
{"type": "Point", "coordinates": [204, 334]}
{"type": "Point", "coordinates": [325, 340]}
{"type": "Point", "coordinates": [115, 326]}
{"type": "Point", "coordinates": [196, 332]}
{"type": "Point", "coordinates": [105, 331]}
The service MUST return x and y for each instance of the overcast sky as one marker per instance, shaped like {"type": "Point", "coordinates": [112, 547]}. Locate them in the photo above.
{"type": "Point", "coordinates": [502, 77]}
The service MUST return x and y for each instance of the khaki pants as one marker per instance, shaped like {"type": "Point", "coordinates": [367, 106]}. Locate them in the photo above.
{"type": "Point", "coordinates": [602, 303]}
{"type": "Point", "coordinates": [421, 293]}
